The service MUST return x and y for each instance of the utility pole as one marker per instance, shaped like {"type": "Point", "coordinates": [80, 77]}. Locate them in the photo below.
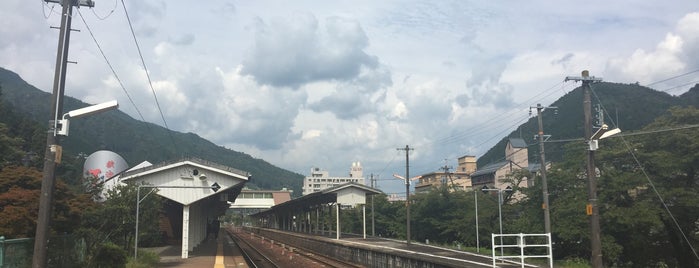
{"type": "Point", "coordinates": [592, 209]}
{"type": "Point", "coordinates": [52, 153]}
{"type": "Point", "coordinates": [544, 184]}
{"type": "Point", "coordinates": [373, 233]}
{"type": "Point", "coordinates": [407, 150]}
{"type": "Point", "coordinates": [447, 176]}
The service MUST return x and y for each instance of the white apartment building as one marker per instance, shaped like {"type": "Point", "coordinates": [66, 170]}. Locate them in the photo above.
{"type": "Point", "coordinates": [320, 179]}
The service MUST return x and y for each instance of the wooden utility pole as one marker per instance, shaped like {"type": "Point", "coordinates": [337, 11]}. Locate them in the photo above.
{"type": "Point", "coordinates": [544, 183]}
{"type": "Point", "coordinates": [407, 150]}
{"type": "Point", "coordinates": [52, 153]}
{"type": "Point", "coordinates": [592, 208]}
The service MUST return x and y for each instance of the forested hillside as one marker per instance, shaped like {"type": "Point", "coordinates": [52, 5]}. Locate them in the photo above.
{"type": "Point", "coordinates": [629, 107]}
{"type": "Point", "coordinates": [26, 115]}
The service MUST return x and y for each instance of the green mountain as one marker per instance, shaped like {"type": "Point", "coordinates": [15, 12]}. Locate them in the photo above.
{"type": "Point", "coordinates": [27, 107]}
{"type": "Point", "coordinates": [628, 106]}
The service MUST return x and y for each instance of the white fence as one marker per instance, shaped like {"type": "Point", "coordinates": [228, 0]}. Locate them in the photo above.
{"type": "Point", "coordinates": [507, 247]}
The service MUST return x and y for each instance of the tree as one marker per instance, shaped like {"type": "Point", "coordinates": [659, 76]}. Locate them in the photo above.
{"type": "Point", "coordinates": [19, 203]}
{"type": "Point", "coordinates": [663, 207]}
{"type": "Point", "coordinates": [114, 220]}
{"type": "Point", "coordinates": [389, 217]}
{"type": "Point", "coordinates": [10, 148]}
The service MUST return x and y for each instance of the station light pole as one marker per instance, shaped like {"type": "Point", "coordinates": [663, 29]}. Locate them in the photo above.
{"type": "Point", "coordinates": [500, 201]}
{"type": "Point", "coordinates": [407, 150]}
{"type": "Point", "coordinates": [407, 202]}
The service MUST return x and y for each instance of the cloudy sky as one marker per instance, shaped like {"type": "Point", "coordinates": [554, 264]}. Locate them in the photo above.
{"type": "Point", "coordinates": [305, 84]}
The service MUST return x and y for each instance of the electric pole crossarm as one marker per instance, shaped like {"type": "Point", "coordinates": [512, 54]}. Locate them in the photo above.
{"type": "Point", "coordinates": [583, 78]}
{"type": "Point", "coordinates": [85, 3]}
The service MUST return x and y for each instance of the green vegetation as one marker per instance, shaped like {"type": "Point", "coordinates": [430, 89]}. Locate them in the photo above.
{"type": "Point", "coordinates": [637, 231]}
{"type": "Point", "coordinates": [146, 259]}
{"type": "Point", "coordinates": [632, 107]}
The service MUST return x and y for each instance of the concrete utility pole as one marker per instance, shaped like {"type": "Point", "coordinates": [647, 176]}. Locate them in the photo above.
{"type": "Point", "coordinates": [373, 233]}
{"type": "Point", "coordinates": [52, 153]}
{"type": "Point", "coordinates": [447, 176]}
{"type": "Point", "coordinates": [544, 184]}
{"type": "Point", "coordinates": [592, 209]}
{"type": "Point", "coordinates": [407, 150]}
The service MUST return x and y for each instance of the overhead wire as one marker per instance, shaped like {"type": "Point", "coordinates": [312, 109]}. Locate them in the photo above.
{"type": "Point", "coordinates": [496, 119]}
{"type": "Point", "coordinates": [561, 85]}
{"type": "Point", "coordinates": [108, 14]}
{"type": "Point", "coordinates": [425, 169]}
{"type": "Point", "coordinates": [680, 86]}
{"type": "Point", "coordinates": [44, 5]}
{"type": "Point", "coordinates": [493, 123]}
{"type": "Point", "coordinates": [672, 77]}
{"type": "Point", "coordinates": [145, 68]}
{"type": "Point", "coordinates": [109, 64]}
{"type": "Point", "coordinates": [647, 177]}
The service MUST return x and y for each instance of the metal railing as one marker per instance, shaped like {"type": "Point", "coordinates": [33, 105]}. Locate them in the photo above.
{"type": "Point", "coordinates": [521, 244]}
{"type": "Point", "coordinates": [64, 251]}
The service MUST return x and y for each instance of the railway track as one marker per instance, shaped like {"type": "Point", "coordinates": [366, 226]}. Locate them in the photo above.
{"type": "Point", "coordinates": [264, 253]}
{"type": "Point", "coordinates": [252, 255]}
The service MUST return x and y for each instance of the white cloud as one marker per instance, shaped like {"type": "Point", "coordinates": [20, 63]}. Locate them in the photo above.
{"type": "Point", "coordinates": [671, 56]}
{"type": "Point", "coordinates": [295, 51]}
{"type": "Point", "coordinates": [355, 80]}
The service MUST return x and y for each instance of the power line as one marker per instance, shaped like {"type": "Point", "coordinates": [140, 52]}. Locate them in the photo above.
{"type": "Point", "coordinates": [683, 85]}
{"type": "Point", "coordinates": [643, 170]}
{"type": "Point", "coordinates": [44, 5]}
{"type": "Point", "coordinates": [150, 82]}
{"type": "Point", "coordinates": [111, 67]}
{"type": "Point", "coordinates": [106, 16]}
{"type": "Point", "coordinates": [673, 77]}
{"type": "Point", "coordinates": [494, 121]}
{"type": "Point", "coordinates": [655, 190]}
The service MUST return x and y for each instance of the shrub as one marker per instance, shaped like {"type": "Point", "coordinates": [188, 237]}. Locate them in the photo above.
{"type": "Point", "coordinates": [145, 259]}
{"type": "Point", "coordinates": [110, 255]}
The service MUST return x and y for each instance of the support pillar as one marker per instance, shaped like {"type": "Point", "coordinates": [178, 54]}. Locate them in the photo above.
{"type": "Point", "coordinates": [337, 219]}
{"type": "Point", "coordinates": [185, 232]}
{"type": "Point", "coordinates": [364, 220]}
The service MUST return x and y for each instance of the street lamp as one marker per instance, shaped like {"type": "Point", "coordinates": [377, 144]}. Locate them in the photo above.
{"type": "Point", "coordinates": [407, 203]}
{"type": "Point", "coordinates": [500, 201]}
{"type": "Point", "coordinates": [63, 124]}
{"type": "Point", "coordinates": [52, 157]}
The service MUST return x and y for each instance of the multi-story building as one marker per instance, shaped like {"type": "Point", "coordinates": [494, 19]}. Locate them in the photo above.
{"type": "Point", "coordinates": [493, 175]}
{"type": "Point", "coordinates": [320, 179]}
{"type": "Point", "coordinates": [458, 180]}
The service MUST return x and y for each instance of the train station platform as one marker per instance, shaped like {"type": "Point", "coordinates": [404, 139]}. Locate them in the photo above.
{"type": "Point", "coordinates": [216, 253]}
